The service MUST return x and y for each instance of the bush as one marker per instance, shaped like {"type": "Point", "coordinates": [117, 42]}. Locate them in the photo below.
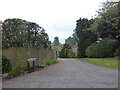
{"type": "Point", "coordinates": [56, 61]}
{"type": "Point", "coordinates": [91, 50]}
{"type": "Point", "coordinates": [61, 54]}
{"type": "Point", "coordinates": [48, 63]}
{"type": "Point", "coordinates": [5, 65]}
{"type": "Point", "coordinates": [117, 52]}
{"type": "Point", "coordinates": [71, 54]}
{"type": "Point", "coordinates": [16, 71]}
{"type": "Point", "coordinates": [67, 53]}
{"type": "Point", "coordinates": [51, 62]}
{"type": "Point", "coordinates": [42, 65]}
{"type": "Point", "coordinates": [105, 48]}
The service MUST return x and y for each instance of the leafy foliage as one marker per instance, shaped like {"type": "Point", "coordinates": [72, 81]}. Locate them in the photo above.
{"type": "Point", "coordinates": [70, 54]}
{"type": "Point", "coordinates": [67, 52]}
{"type": "Point", "coordinates": [105, 48]}
{"type": "Point", "coordinates": [21, 33]}
{"type": "Point", "coordinates": [117, 52]}
{"type": "Point", "coordinates": [56, 41]}
{"type": "Point", "coordinates": [71, 41]}
{"type": "Point", "coordinates": [52, 62]}
{"type": "Point", "coordinates": [16, 71]}
{"type": "Point", "coordinates": [91, 50]}
{"type": "Point", "coordinates": [6, 67]}
{"type": "Point", "coordinates": [83, 35]}
{"type": "Point", "coordinates": [42, 65]}
{"type": "Point", "coordinates": [103, 26]}
{"type": "Point", "coordinates": [86, 38]}
{"type": "Point", "coordinates": [107, 22]}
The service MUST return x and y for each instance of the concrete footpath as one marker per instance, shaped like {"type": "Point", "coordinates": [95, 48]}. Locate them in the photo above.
{"type": "Point", "coordinates": [69, 73]}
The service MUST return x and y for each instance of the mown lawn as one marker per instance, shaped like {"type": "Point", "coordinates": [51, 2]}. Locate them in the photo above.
{"type": "Point", "coordinates": [105, 62]}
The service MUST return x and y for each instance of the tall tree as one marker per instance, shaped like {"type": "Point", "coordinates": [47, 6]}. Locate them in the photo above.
{"type": "Point", "coordinates": [84, 36]}
{"type": "Point", "coordinates": [71, 41]}
{"type": "Point", "coordinates": [21, 33]}
{"type": "Point", "coordinates": [56, 41]}
{"type": "Point", "coordinates": [106, 24]}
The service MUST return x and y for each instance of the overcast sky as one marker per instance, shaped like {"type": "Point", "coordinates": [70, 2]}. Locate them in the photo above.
{"type": "Point", "coordinates": [58, 17]}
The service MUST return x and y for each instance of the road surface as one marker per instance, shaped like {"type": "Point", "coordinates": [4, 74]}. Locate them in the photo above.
{"type": "Point", "coordinates": [69, 73]}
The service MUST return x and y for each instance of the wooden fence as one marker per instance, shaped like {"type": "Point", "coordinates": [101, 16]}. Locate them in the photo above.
{"type": "Point", "coordinates": [18, 56]}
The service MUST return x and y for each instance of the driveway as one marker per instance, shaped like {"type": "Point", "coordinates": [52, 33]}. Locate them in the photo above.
{"type": "Point", "coordinates": [69, 73]}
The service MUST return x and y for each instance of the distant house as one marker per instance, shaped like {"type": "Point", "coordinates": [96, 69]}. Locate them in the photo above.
{"type": "Point", "coordinates": [75, 49]}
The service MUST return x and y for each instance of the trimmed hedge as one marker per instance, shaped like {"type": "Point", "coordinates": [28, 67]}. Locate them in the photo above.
{"type": "Point", "coordinates": [105, 48]}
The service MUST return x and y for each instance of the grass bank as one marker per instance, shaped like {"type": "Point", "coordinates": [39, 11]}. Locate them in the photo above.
{"type": "Point", "coordinates": [105, 62]}
{"type": "Point", "coordinates": [20, 70]}
{"type": "Point", "coordinates": [49, 63]}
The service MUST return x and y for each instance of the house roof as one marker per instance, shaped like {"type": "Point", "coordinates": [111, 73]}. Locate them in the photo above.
{"type": "Point", "coordinates": [74, 46]}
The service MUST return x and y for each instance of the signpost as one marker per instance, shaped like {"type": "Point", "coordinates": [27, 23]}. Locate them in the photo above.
{"type": "Point", "coordinates": [33, 64]}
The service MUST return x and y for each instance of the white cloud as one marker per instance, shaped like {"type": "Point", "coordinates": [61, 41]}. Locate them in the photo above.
{"type": "Point", "coordinates": [47, 12]}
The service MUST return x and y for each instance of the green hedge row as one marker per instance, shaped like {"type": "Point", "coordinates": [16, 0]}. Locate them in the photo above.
{"type": "Point", "coordinates": [105, 48]}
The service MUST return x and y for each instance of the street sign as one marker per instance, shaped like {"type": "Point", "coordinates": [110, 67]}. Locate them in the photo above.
{"type": "Point", "coordinates": [31, 59]}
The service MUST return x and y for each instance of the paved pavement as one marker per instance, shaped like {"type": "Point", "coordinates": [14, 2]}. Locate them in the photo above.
{"type": "Point", "coordinates": [69, 73]}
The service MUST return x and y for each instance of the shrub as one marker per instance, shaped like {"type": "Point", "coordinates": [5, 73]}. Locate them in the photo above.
{"type": "Point", "coordinates": [91, 50]}
{"type": "Point", "coordinates": [42, 65]}
{"type": "Point", "coordinates": [104, 48]}
{"type": "Point", "coordinates": [61, 53]}
{"type": "Point", "coordinates": [107, 47]}
{"type": "Point", "coordinates": [5, 65]}
{"type": "Point", "coordinates": [71, 54]}
{"type": "Point", "coordinates": [48, 63]}
{"type": "Point", "coordinates": [117, 52]}
{"type": "Point", "coordinates": [51, 62]}
{"type": "Point", "coordinates": [55, 61]}
{"type": "Point", "coordinates": [67, 53]}
{"type": "Point", "coordinates": [16, 71]}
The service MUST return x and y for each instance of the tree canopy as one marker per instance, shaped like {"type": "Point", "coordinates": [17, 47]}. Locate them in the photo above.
{"type": "Point", "coordinates": [56, 41]}
{"type": "Point", "coordinates": [67, 52]}
{"type": "Point", "coordinates": [21, 33]}
{"type": "Point", "coordinates": [71, 41]}
{"type": "Point", "coordinates": [83, 36]}
{"type": "Point", "coordinates": [105, 25]}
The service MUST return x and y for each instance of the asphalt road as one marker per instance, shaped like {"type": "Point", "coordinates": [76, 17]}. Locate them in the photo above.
{"type": "Point", "coordinates": [69, 73]}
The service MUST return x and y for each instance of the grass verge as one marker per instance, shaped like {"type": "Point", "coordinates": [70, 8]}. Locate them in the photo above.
{"type": "Point", "coordinates": [16, 71]}
{"type": "Point", "coordinates": [52, 62]}
{"type": "Point", "coordinates": [49, 63]}
{"type": "Point", "coordinates": [105, 62]}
